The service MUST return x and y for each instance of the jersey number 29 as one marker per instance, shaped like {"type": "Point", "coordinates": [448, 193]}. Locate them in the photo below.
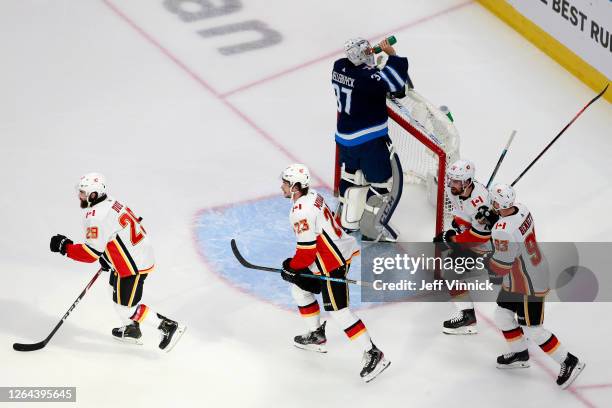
{"type": "Point", "coordinates": [347, 103]}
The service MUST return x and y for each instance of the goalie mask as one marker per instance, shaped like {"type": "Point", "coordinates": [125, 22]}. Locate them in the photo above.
{"type": "Point", "coordinates": [92, 189]}
{"type": "Point", "coordinates": [503, 195]}
{"type": "Point", "coordinates": [359, 51]}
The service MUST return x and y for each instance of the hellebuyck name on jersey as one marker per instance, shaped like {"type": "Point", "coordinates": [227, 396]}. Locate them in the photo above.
{"type": "Point", "coordinates": [361, 93]}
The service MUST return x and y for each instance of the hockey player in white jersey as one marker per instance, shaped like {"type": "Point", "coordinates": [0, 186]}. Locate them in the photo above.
{"type": "Point", "coordinates": [468, 237]}
{"type": "Point", "coordinates": [115, 237]}
{"type": "Point", "coordinates": [520, 303]}
{"type": "Point", "coordinates": [323, 248]}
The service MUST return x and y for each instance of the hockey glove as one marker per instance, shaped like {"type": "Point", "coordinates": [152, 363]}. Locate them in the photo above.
{"type": "Point", "coordinates": [445, 238]}
{"type": "Point", "coordinates": [59, 243]}
{"type": "Point", "coordinates": [104, 265]}
{"type": "Point", "coordinates": [494, 278]}
{"type": "Point", "coordinates": [486, 216]}
{"type": "Point", "coordinates": [289, 274]}
{"type": "Point", "coordinates": [456, 226]}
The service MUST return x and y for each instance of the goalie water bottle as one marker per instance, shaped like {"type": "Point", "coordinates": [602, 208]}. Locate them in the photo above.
{"type": "Point", "coordinates": [392, 40]}
{"type": "Point", "coordinates": [444, 109]}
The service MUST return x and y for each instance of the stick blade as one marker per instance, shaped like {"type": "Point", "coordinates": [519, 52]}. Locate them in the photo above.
{"type": "Point", "coordinates": [235, 251]}
{"type": "Point", "coordinates": [246, 263]}
{"type": "Point", "coordinates": [28, 347]}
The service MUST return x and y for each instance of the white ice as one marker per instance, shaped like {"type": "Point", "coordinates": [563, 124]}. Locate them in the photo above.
{"type": "Point", "coordinates": [128, 89]}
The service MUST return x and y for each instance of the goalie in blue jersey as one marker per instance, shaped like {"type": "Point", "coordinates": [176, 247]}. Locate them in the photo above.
{"type": "Point", "coordinates": [370, 184]}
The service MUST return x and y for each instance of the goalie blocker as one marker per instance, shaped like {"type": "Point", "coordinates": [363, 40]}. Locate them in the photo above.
{"type": "Point", "coordinates": [370, 206]}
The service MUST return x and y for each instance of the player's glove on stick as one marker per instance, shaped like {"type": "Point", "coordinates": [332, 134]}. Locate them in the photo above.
{"type": "Point", "coordinates": [289, 274]}
{"type": "Point", "coordinates": [59, 243]}
{"type": "Point", "coordinates": [487, 216]}
{"type": "Point", "coordinates": [104, 265]}
{"type": "Point", "coordinates": [445, 238]}
{"type": "Point", "coordinates": [493, 277]}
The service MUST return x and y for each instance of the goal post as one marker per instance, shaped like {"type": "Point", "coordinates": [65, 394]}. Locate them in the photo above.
{"type": "Point", "coordinates": [426, 141]}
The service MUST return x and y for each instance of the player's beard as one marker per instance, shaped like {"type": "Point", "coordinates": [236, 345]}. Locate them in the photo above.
{"type": "Point", "coordinates": [455, 191]}
{"type": "Point", "coordinates": [84, 204]}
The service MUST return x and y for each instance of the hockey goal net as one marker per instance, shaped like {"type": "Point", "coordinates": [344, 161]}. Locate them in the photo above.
{"type": "Point", "coordinates": [426, 141]}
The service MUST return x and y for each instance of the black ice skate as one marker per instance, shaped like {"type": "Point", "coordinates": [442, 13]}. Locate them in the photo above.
{"type": "Point", "coordinates": [374, 363]}
{"type": "Point", "coordinates": [570, 369]}
{"type": "Point", "coordinates": [312, 341]}
{"type": "Point", "coordinates": [128, 334]}
{"type": "Point", "coordinates": [514, 360]}
{"type": "Point", "coordinates": [463, 323]}
{"type": "Point", "coordinates": [171, 333]}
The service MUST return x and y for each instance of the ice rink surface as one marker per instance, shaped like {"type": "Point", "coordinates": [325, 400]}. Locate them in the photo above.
{"type": "Point", "coordinates": [183, 133]}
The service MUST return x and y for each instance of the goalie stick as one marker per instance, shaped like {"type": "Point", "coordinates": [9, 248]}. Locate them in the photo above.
{"type": "Point", "coordinates": [249, 265]}
{"type": "Point", "coordinates": [559, 135]}
{"type": "Point", "coordinates": [41, 344]}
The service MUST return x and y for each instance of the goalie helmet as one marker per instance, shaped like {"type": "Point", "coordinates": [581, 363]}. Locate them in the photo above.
{"type": "Point", "coordinates": [91, 183]}
{"type": "Point", "coordinates": [503, 195]}
{"type": "Point", "coordinates": [359, 51]}
{"type": "Point", "coordinates": [296, 173]}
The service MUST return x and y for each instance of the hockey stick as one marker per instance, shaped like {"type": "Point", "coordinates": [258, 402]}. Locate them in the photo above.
{"type": "Point", "coordinates": [501, 159]}
{"type": "Point", "coordinates": [559, 134]}
{"type": "Point", "coordinates": [41, 344]}
{"type": "Point", "coordinates": [249, 265]}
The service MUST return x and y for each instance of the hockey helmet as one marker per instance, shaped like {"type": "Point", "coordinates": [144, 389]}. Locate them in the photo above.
{"type": "Point", "coordinates": [296, 173]}
{"type": "Point", "coordinates": [463, 170]}
{"type": "Point", "coordinates": [503, 195]}
{"type": "Point", "coordinates": [91, 183]}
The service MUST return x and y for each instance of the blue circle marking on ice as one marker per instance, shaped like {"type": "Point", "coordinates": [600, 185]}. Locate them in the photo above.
{"type": "Point", "coordinates": [264, 237]}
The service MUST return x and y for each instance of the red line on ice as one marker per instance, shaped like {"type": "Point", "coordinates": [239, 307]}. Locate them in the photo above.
{"type": "Point", "coordinates": [572, 389]}
{"type": "Point", "coordinates": [593, 386]}
{"type": "Point", "coordinates": [222, 97]}
{"type": "Point", "coordinates": [340, 51]}
{"type": "Point", "coordinates": [247, 119]}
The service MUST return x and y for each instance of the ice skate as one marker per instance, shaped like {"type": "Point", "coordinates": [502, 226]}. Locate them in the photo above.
{"type": "Point", "coordinates": [128, 334]}
{"type": "Point", "coordinates": [463, 323]}
{"type": "Point", "coordinates": [171, 333]}
{"type": "Point", "coordinates": [374, 363]}
{"type": "Point", "coordinates": [570, 369]}
{"type": "Point", "coordinates": [513, 360]}
{"type": "Point", "coordinates": [312, 341]}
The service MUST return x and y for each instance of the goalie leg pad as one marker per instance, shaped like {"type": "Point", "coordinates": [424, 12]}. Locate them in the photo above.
{"type": "Point", "coordinates": [369, 225]}
{"type": "Point", "coordinates": [353, 192]}
{"type": "Point", "coordinates": [353, 205]}
{"type": "Point", "coordinates": [380, 207]}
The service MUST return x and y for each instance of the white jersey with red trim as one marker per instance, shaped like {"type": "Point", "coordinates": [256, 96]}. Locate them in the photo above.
{"type": "Point", "coordinates": [464, 213]}
{"type": "Point", "coordinates": [322, 245]}
{"type": "Point", "coordinates": [112, 229]}
{"type": "Point", "coordinates": [517, 256]}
